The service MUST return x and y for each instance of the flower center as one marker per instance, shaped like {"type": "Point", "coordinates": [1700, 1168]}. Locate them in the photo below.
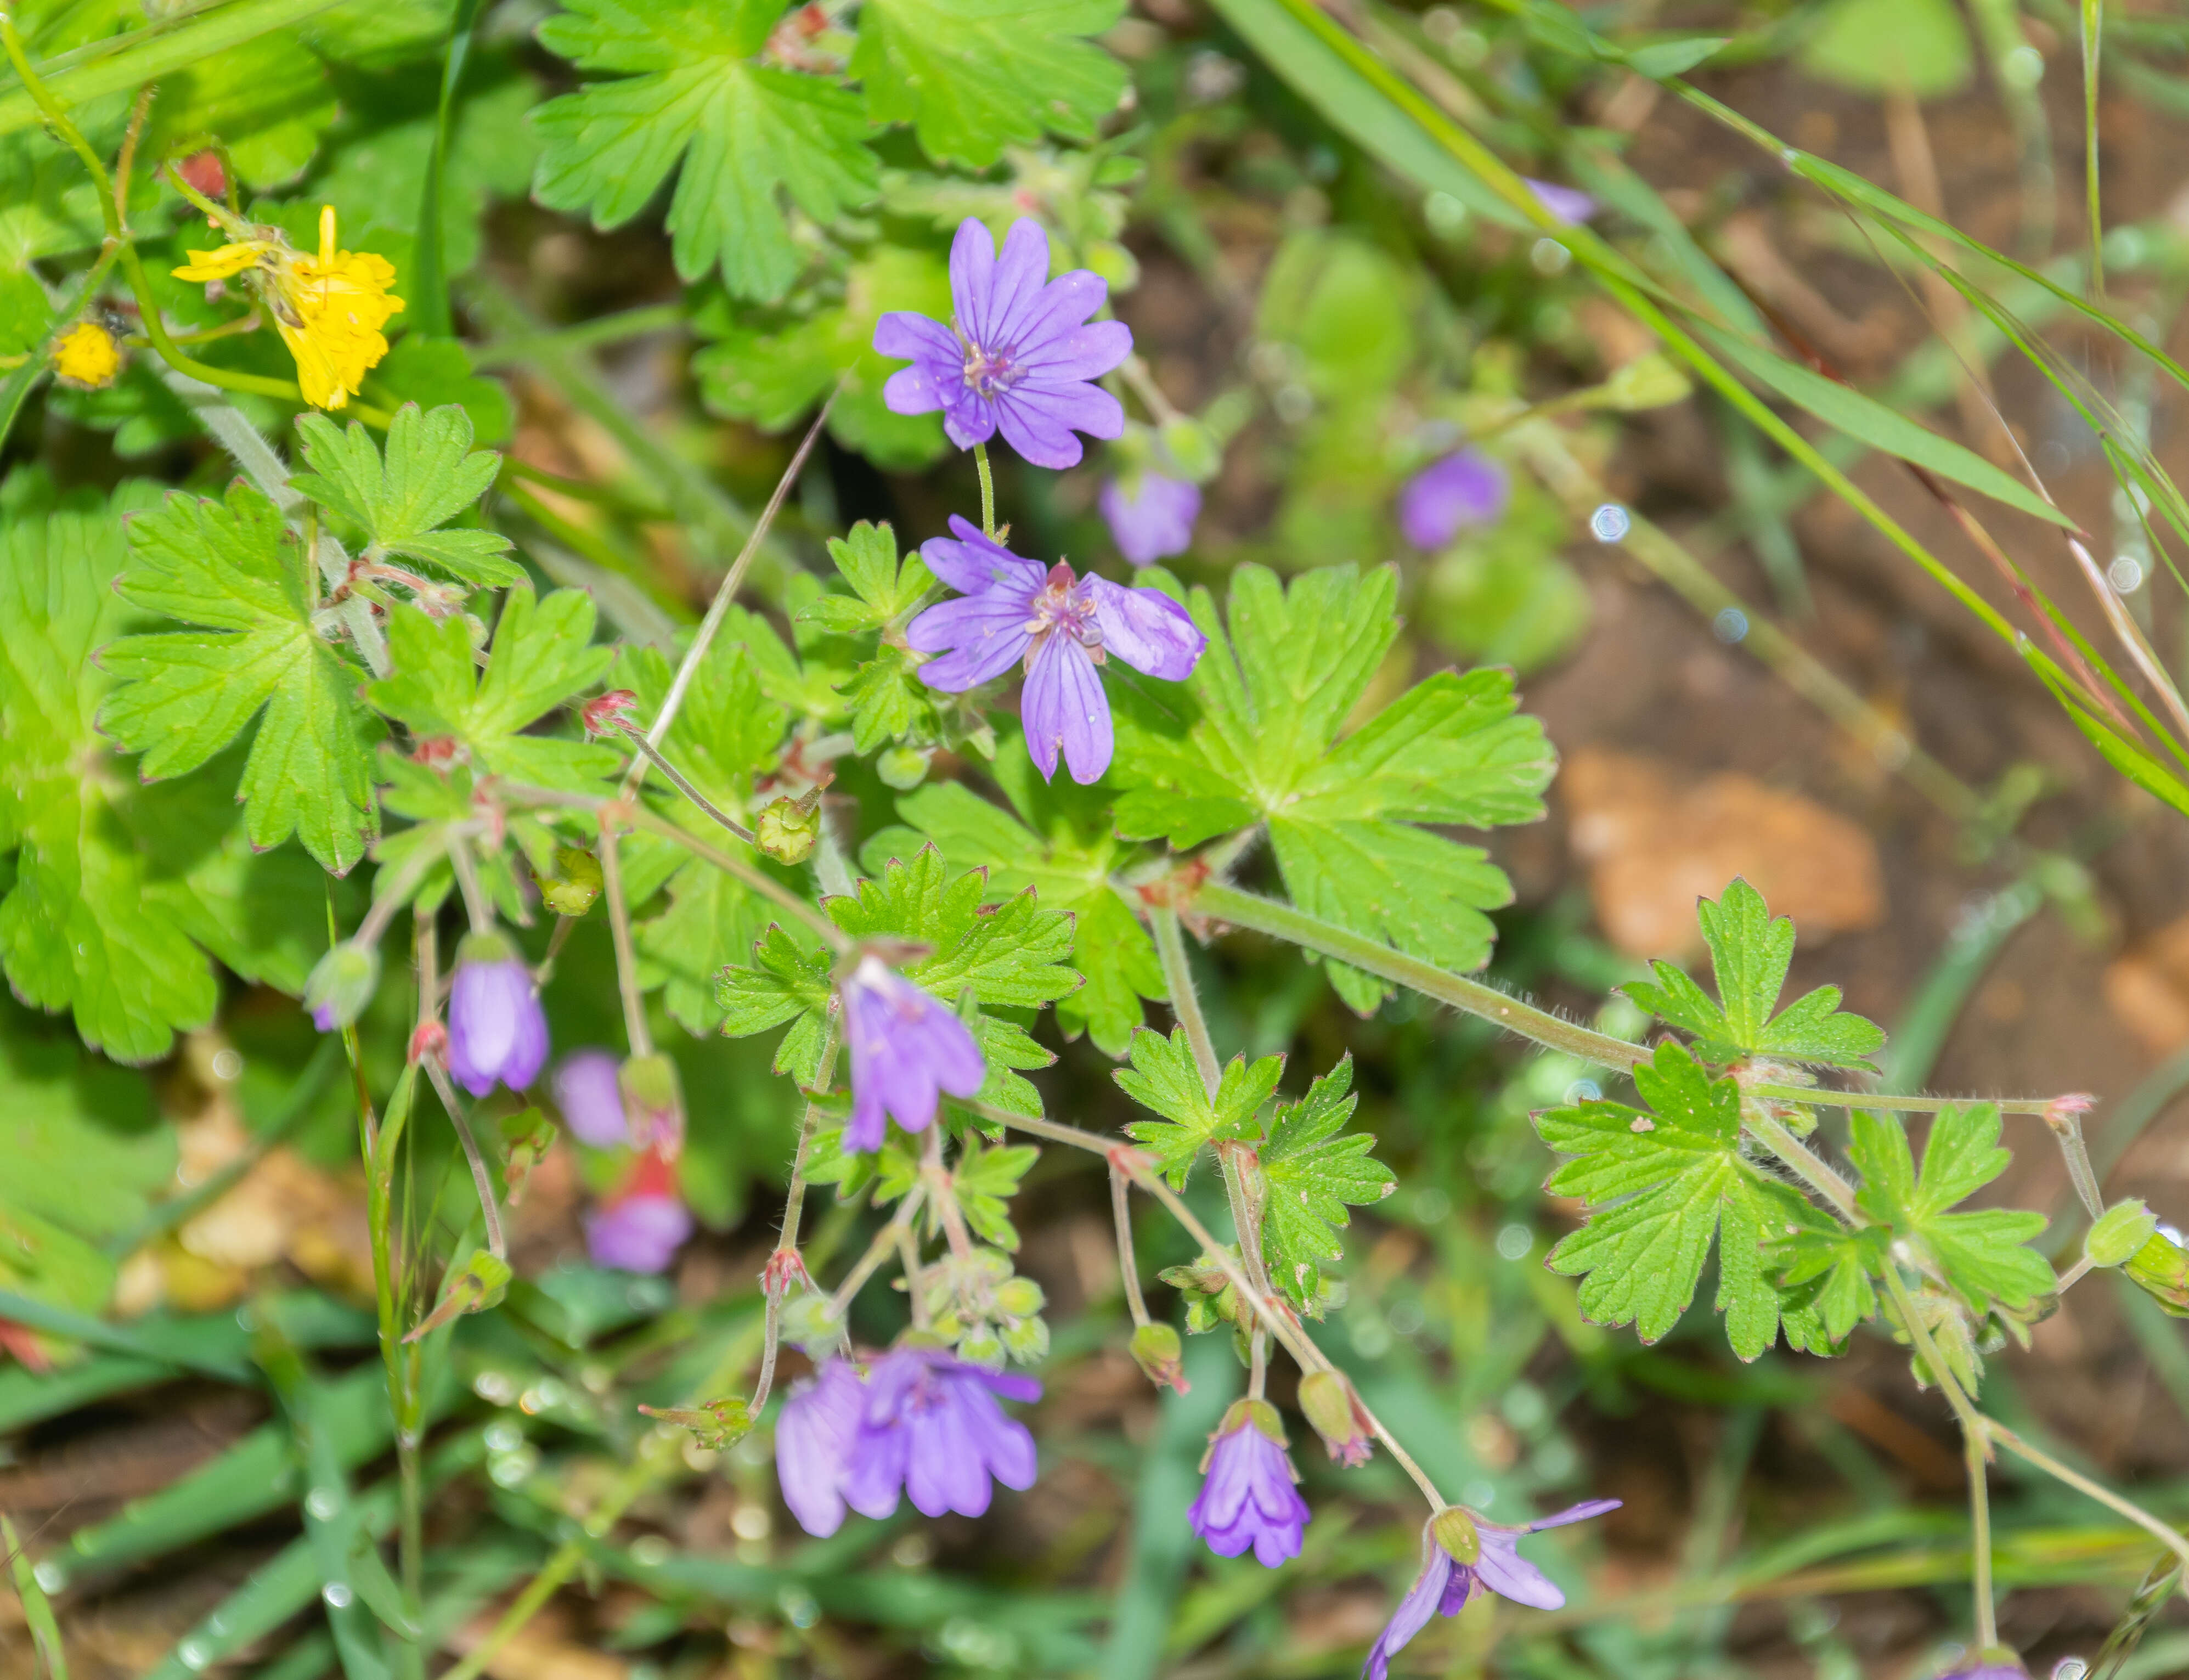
{"type": "Point", "coordinates": [989, 373]}
{"type": "Point", "coordinates": [1064, 603]}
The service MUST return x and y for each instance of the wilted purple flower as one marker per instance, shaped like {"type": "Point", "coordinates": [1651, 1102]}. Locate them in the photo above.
{"type": "Point", "coordinates": [586, 1091]}
{"type": "Point", "coordinates": [341, 984]}
{"type": "Point", "coordinates": [639, 1233]}
{"type": "Point", "coordinates": [1248, 1498]}
{"type": "Point", "coordinates": [1996, 1663]}
{"type": "Point", "coordinates": [1018, 354]}
{"type": "Point", "coordinates": [1570, 204]}
{"type": "Point", "coordinates": [1466, 488]}
{"type": "Point", "coordinates": [1062, 626]}
{"type": "Point", "coordinates": [931, 1429]}
{"type": "Point", "coordinates": [812, 1442]}
{"type": "Point", "coordinates": [1150, 516]}
{"type": "Point", "coordinates": [906, 1047]}
{"type": "Point", "coordinates": [496, 1030]}
{"type": "Point", "coordinates": [1447, 1580]}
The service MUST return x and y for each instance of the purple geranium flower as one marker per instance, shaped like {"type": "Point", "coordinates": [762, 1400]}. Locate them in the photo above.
{"type": "Point", "coordinates": [906, 1047]}
{"type": "Point", "coordinates": [1570, 204]}
{"type": "Point", "coordinates": [1447, 1582]}
{"type": "Point", "coordinates": [591, 1100]}
{"type": "Point", "coordinates": [1018, 354]}
{"type": "Point", "coordinates": [496, 1030]}
{"type": "Point", "coordinates": [931, 1428]}
{"type": "Point", "coordinates": [1150, 516]}
{"type": "Point", "coordinates": [1996, 1663]}
{"type": "Point", "coordinates": [1248, 1498]}
{"type": "Point", "coordinates": [1467, 487]}
{"type": "Point", "coordinates": [812, 1441]}
{"type": "Point", "coordinates": [639, 1233]}
{"type": "Point", "coordinates": [1062, 626]}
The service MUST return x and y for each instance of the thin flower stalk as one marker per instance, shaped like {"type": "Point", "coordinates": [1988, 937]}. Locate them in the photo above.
{"type": "Point", "coordinates": [885, 1243]}
{"type": "Point", "coordinates": [634, 1000]}
{"type": "Point", "coordinates": [776, 1279]}
{"type": "Point", "coordinates": [677, 780]}
{"type": "Point", "coordinates": [2171, 1538]}
{"type": "Point", "coordinates": [490, 1209]}
{"type": "Point", "coordinates": [1128, 1268]}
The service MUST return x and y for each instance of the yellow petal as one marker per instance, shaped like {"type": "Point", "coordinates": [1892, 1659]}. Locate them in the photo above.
{"type": "Point", "coordinates": [87, 356]}
{"type": "Point", "coordinates": [229, 260]}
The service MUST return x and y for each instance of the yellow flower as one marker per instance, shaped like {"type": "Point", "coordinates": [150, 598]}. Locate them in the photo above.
{"type": "Point", "coordinates": [87, 356]}
{"type": "Point", "coordinates": [328, 310]}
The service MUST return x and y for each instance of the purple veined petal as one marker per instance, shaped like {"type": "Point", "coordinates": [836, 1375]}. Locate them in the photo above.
{"type": "Point", "coordinates": [1459, 1588]}
{"type": "Point", "coordinates": [1570, 204]}
{"type": "Point", "coordinates": [945, 1471]}
{"type": "Point", "coordinates": [812, 1439]}
{"type": "Point", "coordinates": [1573, 1514]}
{"type": "Point", "coordinates": [1275, 1543]}
{"type": "Point", "coordinates": [496, 1030]}
{"type": "Point", "coordinates": [1411, 1616]}
{"type": "Point", "coordinates": [1000, 1442]}
{"type": "Point", "coordinates": [639, 1234]}
{"type": "Point", "coordinates": [1019, 291]}
{"type": "Point", "coordinates": [973, 564]}
{"type": "Point", "coordinates": [1465, 488]}
{"type": "Point", "coordinates": [912, 390]}
{"type": "Point", "coordinates": [529, 1053]}
{"type": "Point", "coordinates": [892, 1380]}
{"type": "Point", "coordinates": [918, 338]}
{"type": "Point", "coordinates": [1008, 1385]}
{"type": "Point", "coordinates": [1227, 1487]}
{"type": "Point", "coordinates": [1150, 516]}
{"type": "Point", "coordinates": [980, 636]}
{"type": "Point", "coordinates": [1064, 704]}
{"type": "Point", "coordinates": [968, 418]}
{"type": "Point", "coordinates": [868, 1126]}
{"type": "Point", "coordinates": [906, 1047]}
{"type": "Point", "coordinates": [874, 1474]}
{"type": "Point", "coordinates": [591, 1100]}
{"type": "Point", "coordinates": [1079, 351]}
{"type": "Point", "coordinates": [1040, 421]}
{"type": "Point", "coordinates": [1504, 1571]}
{"type": "Point", "coordinates": [1147, 630]}
{"type": "Point", "coordinates": [972, 276]}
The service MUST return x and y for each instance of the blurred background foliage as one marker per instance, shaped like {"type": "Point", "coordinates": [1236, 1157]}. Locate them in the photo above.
{"type": "Point", "coordinates": [1741, 676]}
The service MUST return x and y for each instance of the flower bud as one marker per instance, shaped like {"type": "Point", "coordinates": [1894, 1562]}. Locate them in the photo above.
{"type": "Point", "coordinates": [718, 1424]}
{"type": "Point", "coordinates": [1157, 1350]}
{"type": "Point", "coordinates": [1026, 1339]}
{"type": "Point", "coordinates": [604, 714]}
{"type": "Point", "coordinates": [203, 171]}
{"type": "Point", "coordinates": [575, 883]}
{"type": "Point", "coordinates": [1326, 1400]}
{"type": "Point", "coordinates": [2119, 1232]}
{"type": "Point", "coordinates": [2161, 1270]}
{"type": "Point", "coordinates": [341, 984]}
{"type": "Point", "coordinates": [653, 1104]}
{"type": "Point", "coordinates": [497, 1032]}
{"type": "Point", "coordinates": [903, 768]}
{"type": "Point", "coordinates": [787, 829]}
{"type": "Point", "coordinates": [810, 1324]}
{"type": "Point", "coordinates": [1019, 1298]}
{"type": "Point", "coordinates": [1649, 381]}
{"type": "Point", "coordinates": [1453, 1529]}
{"type": "Point", "coordinates": [980, 1345]}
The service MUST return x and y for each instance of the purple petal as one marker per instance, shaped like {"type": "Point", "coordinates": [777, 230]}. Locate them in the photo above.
{"type": "Point", "coordinates": [985, 635]}
{"type": "Point", "coordinates": [326, 1018]}
{"type": "Point", "coordinates": [972, 563]}
{"type": "Point", "coordinates": [639, 1234]}
{"type": "Point", "coordinates": [592, 1101]}
{"type": "Point", "coordinates": [1505, 1572]}
{"type": "Point", "coordinates": [812, 1438]}
{"type": "Point", "coordinates": [972, 277]}
{"type": "Point", "coordinates": [1411, 1616]}
{"type": "Point", "coordinates": [1064, 703]}
{"type": "Point", "coordinates": [1570, 204]}
{"type": "Point", "coordinates": [1467, 487]}
{"type": "Point", "coordinates": [1457, 1590]}
{"type": "Point", "coordinates": [497, 1030]}
{"type": "Point", "coordinates": [1074, 351]}
{"type": "Point", "coordinates": [1017, 296]}
{"type": "Point", "coordinates": [1147, 630]}
{"type": "Point", "coordinates": [918, 338]}
{"type": "Point", "coordinates": [1007, 1385]}
{"type": "Point", "coordinates": [1150, 516]}
{"type": "Point", "coordinates": [873, 1476]}
{"type": "Point", "coordinates": [1039, 422]}
{"type": "Point", "coordinates": [1574, 1514]}
{"type": "Point", "coordinates": [913, 390]}
{"type": "Point", "coordinates": [905, 1047]}
{"type": "Point", "coordinates": [1249, 1499]}
{"type": "Point", "coordinates": [968, 418]}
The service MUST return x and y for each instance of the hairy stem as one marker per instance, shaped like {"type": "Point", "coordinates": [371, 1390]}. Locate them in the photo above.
{"type": "Point", "coordinates": [468, 882]}
{"type": "Point", "coordinates": [794, 1208]}
{"type": "Point", "coordinates": [987, 492]}
{"type": "Point", "coordinates": [1980, 1539]}
{"type": "Point", "coordinates": [634, 1000]}
{"type": "Point", "coordinates": [1184, 1003]}
{"type": "Point", "coordinates": [1927, 1347]}
{"type": "Point", "coordinates": [1129, 1267]}
{"type": "Point", "coordinates": [2167, 1536]}
{"type": "Point", "coordinates": [726, 593]}
{"type": "Point", "coordinates": [943, 1196]}
{"type": "Point", "coordinates": [883, 1244]}
{"type": "Point", "coordinates": [677, 780]}
{"type": "Point", "coordinates": [2066, 1124]}
{"type": "Point", "coordinates": [1813, 1169]}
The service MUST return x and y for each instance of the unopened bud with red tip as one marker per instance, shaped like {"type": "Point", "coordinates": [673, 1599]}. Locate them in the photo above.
{"type": "Point", "coordinates": [653, 1104]}
{"type": "Point", "coordinates": [603, 713]}
{"type": "Point", "coordinates": [1327, 1400]}
{"type": "Point", "coordinates": [203, 171]}
{"type": "Point", "coordinates": [429, 1043]}
{"type": "Point", "coordinates": [1453, 1529]}
{"type": "Point", "coordinates": [785, 1271]}
{"type": "Point", "coordinates": [1158, 1351]}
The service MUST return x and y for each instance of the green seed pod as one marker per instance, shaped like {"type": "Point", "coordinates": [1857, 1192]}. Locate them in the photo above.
{"type": "Point", "coordinates": [903, 768]}
{"type": "Point", "coordinates": [1019, 1298]}
{"type": "Point", "coordinates": [788, 829]}
{"type": "Point", "coordinates": [1156, 1350]}
{"type": "Point", "coordinates": [1026, 1339]}
{"type": "Point", "coordinates": [980, 1345]}
{"type": "Point", "coordinates": [1455, 1530]}
{"type": "Point", "coordinates": [2120, 1231]}
{"type": "Point", "coordinates": [1326, 1400]}
{"type": "Point", "coordinates": [2161, 1270]}
{"type": "Point", "coordinates": [575, 884]}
